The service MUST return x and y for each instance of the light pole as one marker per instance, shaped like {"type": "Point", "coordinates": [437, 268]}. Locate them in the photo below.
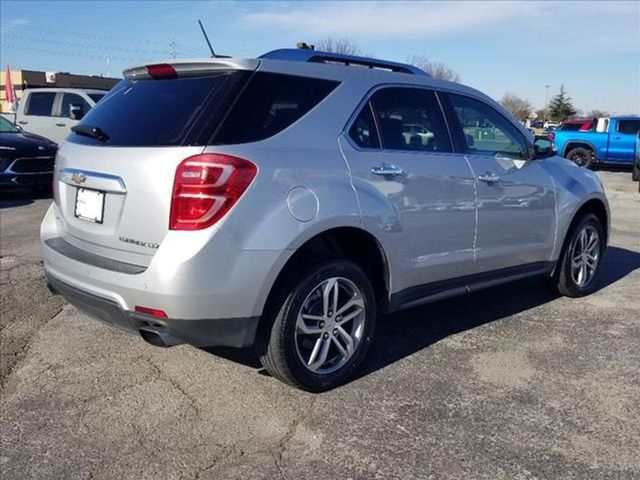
{"type": "Point", "coordinates": [546, 100]}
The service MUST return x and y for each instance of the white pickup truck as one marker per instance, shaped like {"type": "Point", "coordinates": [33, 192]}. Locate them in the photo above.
{"type": "Point", "coordinates": [51, 112]}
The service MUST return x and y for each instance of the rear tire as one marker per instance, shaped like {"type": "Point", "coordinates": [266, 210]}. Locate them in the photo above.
{"type": "Point", "coordinates": [635, 172]}
{"type": "Point", "coordinates": [581, 156]}
{"type": "Point", "coordinates": [314, 353]}
{"type": "Point", "coordinates": [581, 258]}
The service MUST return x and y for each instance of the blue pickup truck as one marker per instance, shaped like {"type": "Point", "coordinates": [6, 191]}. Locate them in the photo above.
{"type": "Point", "coordinates": [614, 144]}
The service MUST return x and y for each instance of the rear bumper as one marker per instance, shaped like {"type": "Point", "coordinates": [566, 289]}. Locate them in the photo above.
{"type": "Point", "coordinates": [231, 332]}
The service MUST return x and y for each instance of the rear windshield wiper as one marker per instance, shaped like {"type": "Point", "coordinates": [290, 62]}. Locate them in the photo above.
{"type": "Point", "coordinates": [93, 132]}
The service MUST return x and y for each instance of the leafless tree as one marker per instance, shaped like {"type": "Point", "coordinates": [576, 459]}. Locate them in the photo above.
{"type": "Point", "coordinates": [338, 45]}
{"type": "Point", "coordinates": [596, 113]}
{"type": "Point", "coordinates": [518, 107]}
{"type": "Point", "coordinates": [435, 69]}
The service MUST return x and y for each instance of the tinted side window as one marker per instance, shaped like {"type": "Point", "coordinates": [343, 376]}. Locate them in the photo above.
{"type": "Point", "coordinates": [411, 119]}
{"type": "Point", "coordinates": [484, 131]}
{"type": "Point", "coordinates": [629, 126]}
{"type": "Point", "coordinates": [363, 131]}
{"type": "Point", "coordinates": [69, 99]}
{"type": "Point", "coordinates": [40, 103]}
{"type": "Point", "coordinates": [270, 103]}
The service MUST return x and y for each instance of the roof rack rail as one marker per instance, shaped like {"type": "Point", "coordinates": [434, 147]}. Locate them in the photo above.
{"type": "Point", "coordinates": [316, 56]}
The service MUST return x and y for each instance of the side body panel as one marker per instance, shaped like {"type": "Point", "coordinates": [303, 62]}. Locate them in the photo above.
{"type": "Point", "coordinates": [425, 216]}
{"type": "Point", "coordinates": [516, 214]}
{"type": "Point", "coordinates": [621, 144]}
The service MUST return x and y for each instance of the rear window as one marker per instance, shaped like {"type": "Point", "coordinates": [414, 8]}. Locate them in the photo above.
{"type": "Point", "coordinates": [270, 103]}
{"type": "Point", "coordinates": [221, 108]}
{"type": "Point", "coordinates": [158, 112]}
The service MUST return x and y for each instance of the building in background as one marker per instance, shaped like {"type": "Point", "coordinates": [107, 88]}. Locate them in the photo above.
{"type": "Point", "coordinates": [25, 79]}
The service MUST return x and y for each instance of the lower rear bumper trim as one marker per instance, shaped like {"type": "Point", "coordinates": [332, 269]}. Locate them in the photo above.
{"type": "Point", "coordinates": [230, 332]}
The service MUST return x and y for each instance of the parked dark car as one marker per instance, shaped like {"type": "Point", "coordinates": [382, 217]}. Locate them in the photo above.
{"type": "Point", "coordinates": [636, 160]}
{"type": "Point", "coordinates": [26, 160]}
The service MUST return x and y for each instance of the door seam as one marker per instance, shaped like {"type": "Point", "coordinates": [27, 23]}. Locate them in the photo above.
{"type": "Point", "coordinates": [475, 198]}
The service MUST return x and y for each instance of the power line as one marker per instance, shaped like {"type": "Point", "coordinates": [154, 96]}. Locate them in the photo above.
{"type": "Point", "coordinates": [98, 47]}
{"type": "Point", "coordinates": [75, 35]}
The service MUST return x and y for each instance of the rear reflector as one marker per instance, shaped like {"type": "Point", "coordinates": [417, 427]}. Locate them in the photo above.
{"type": "Point", "coordinates": [206, 186]}
{"type": "Point", "coordinates": [151, 311]}
{"type": "Point", "coordinates": [161, 70]}
{"type": "Point", "coordinates": [551, 136]}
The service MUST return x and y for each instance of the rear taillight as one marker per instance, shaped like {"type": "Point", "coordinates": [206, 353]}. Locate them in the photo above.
{"type": "Point", "coordinates": [551, 136]}
{"type": "Point", "coordinates": [206, 186]}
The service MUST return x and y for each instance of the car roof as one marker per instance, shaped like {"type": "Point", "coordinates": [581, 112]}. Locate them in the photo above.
{"type": "Point", "coordinates": [348, 69]}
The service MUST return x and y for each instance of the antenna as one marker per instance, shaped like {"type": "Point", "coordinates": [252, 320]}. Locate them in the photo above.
{"type": "Point", "coordinates": [213, 54]}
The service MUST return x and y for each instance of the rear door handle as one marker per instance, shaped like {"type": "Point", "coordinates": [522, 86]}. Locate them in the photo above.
{"type": "Point", "coordinates": [61, 124]}
{"type": "Point", "coordinates": [489, 177]}
{"type": "Point", "coordinates": [385, 170]}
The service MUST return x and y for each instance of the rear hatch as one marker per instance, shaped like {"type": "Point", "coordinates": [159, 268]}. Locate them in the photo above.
{"type": "Point", "coordinates": [115, 173]}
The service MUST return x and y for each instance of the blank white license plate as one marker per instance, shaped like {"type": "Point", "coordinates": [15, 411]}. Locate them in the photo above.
{"type": "Point", "coordinates": [89, 205]}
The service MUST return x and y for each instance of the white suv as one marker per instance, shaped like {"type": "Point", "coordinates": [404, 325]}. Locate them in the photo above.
{"type": "Point", "coordinates": [283, 202]}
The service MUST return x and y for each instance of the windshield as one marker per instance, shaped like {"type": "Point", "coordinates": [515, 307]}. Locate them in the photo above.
{"type": "Point", "coordinates": [7, 127]}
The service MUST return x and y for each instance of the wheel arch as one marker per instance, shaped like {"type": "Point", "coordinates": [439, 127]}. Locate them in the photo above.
{"type": "Point", "coordinates": [595, 206]}
{"type": "Point", "coordinates": [351, 243]}
{"type": "Point", "coordinates": [571, 144]}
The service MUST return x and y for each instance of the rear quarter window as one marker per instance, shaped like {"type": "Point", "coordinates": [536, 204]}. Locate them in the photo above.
{"type": "Point", "coordinates": [270, 103]}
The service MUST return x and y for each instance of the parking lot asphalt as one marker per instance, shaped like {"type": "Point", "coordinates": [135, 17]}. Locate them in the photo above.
{"type": "Point", "coordinates": [509, 383]}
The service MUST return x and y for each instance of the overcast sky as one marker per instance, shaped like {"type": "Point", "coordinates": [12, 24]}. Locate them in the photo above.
{"type": "Point", "coordinates": [591, 47]}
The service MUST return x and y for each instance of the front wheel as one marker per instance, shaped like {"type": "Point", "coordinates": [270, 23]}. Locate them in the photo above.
{"type": "Point", "coordinates": [582, 157]}
{"type": "Point", "coordinates": [635, 172]}
{"type": "Point", "coordinates": [581, 259]}
{"type": "Point", "coordinates": [321, 327]}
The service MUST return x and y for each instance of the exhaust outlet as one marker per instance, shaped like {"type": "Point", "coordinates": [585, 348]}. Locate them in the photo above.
{"type": "Point", "coordinates": [159, 337]}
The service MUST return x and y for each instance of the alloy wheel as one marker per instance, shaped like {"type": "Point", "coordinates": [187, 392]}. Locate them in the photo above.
{"type": "Point", "coordinates": [330, 325]}
{"type": "Point", "coordinates": [585, 256]}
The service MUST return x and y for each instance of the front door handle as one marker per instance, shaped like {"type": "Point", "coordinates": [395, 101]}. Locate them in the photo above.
{"type": "Point", "coordinates": [61, 124]}
{"type": "Point", "coordinates": [489, 177]}
{"type": "Point", "coordinates": [385, 170]}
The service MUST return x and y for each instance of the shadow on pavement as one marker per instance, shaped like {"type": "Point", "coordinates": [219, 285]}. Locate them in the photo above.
{"type": "Point", "coordinates": [403, 333]}
{"type": "Point", "coordinates": [19, 197]}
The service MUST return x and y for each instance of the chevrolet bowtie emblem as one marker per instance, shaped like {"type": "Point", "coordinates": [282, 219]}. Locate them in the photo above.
{"type": "Point", "coordinates": [78, 177]}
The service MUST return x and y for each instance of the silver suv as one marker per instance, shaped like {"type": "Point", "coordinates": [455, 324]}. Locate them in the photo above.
{"type": "Point", "coordinates": [285, 202]}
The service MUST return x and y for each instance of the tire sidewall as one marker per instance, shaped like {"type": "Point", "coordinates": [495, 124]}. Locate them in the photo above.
{"type": "Point", "coordinates": [582, 151]}
{"type": "Point", "coordinates": [333, 268]}
{"type": "Point", "coordinates": [565, 273]}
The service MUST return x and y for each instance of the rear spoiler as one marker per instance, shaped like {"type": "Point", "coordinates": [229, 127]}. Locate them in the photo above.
{"type": "Point", "coordinates": [189, 68]}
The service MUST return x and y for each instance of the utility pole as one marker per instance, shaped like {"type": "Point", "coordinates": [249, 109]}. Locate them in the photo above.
{"type": "Point", "coordinates": [172, 47]}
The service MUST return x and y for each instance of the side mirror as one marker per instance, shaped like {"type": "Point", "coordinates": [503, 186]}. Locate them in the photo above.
{"type": "Point", "coordinates": [543, 147]}
{"type": "Point", "coordinates": [76, 111]}
{"type": "Point", "coordinates": [470, 140]}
